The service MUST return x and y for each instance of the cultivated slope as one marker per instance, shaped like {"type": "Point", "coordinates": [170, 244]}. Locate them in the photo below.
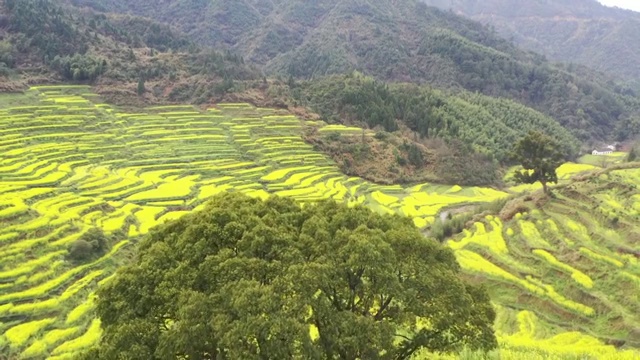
{"type": "Point", "coordinates": [75, 164]}
{"type": "Point", "coordinates": [572, 262]}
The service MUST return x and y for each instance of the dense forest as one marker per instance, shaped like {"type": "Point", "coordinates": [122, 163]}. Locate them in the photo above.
{"type": "Point", "coordinates": [42, 36]}
{"type": "Point", "coordinates": [491, 125]}
{"type": "Point", "coordinates": [581, 31]}
{"type": "Point", "coordinates": [399, 42]}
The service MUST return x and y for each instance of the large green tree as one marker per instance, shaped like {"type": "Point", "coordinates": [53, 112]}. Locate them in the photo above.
{"type": "Point", "coordinates": [247, 279]}
{"type": "Point", "coordinates": [539, 156]}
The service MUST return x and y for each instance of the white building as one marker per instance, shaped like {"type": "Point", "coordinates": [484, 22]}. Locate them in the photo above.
{"type": "Point", "coordinates": [603, 152]}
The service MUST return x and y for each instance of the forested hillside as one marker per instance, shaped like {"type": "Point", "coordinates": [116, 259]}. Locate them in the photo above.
{"type": "Point", "coordinates": [580, 31]}
{"type": "Point", "coordinates": [43, 41]}
{"type": "Point", "coordinates": [478, 131]}
{"type": "Point", "coordinates": [394, 41]}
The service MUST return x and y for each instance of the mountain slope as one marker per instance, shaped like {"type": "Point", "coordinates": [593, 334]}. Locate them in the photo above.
{"type": "Point", "coordinates": [394, 41]}
{"type": "Point", "coordinates": [429, 135]}
{"type": "Point", "coordinates": [43, 41]}
{"type": "Point", "coordinates": [133, 61]}
{"type": "Point", "coordinates": [581, 31]}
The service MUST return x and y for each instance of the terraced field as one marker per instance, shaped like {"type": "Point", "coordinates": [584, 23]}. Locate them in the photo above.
{"type": "Point", "coordinates": [565, 275]}
{"type": "Point", "coordinates": [70, 164]}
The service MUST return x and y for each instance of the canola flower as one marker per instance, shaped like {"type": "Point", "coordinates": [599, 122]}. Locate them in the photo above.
{"type": "Point", "coordinates": [51, 338]}
{"type": "Point", "coordinates": [84, 341]}
{"type": "Point", "coordinates": [20, 334]}
{"type": "Point", "coordinates": [602, 258]}
{"type": "Point", "coordinates": [492, 240]}
{"type": "Point", "coordinates": [128, 164]}
{"type": "Point", "coordinates": [577, 275]}
{"type": "Point", "coordinates": [561, 346]}
{"type": "Point", "coordinates": [81, 310]}
{"type": "Point", "coordinates": [532, 235]}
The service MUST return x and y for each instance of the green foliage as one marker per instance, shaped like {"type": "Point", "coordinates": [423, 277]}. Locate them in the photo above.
{"type": "Point", "coordinates": [226, 65]}
{"type": "Point", "coordinates": [81, 251]}
{"type": "Point", "coordinates": [79, 67]}
{"type": "Point", "coordinates": [490, 125]}
{"type": "Point", "coordinates": [633, 155]}
{"type": "Point", "coordinates": [415, 156]}
{"type": "Point", "coordinates": [140, 32]}
{"type": "Point", "coordinates": [46, 26]}
{"type": "Point", "coordinates": [98, 240]}
{"type": "Point", "coordinates": [551, 28]}
{"type": "Point", "coordinates": [539, 156]}
{"type": "Point", "coordinates": [628, 128]}
{"type": "Point", "coordinates": [459, 164]}
{"type": "Point", "coordinates": [93, 244]}
{"type": "Point", "coordinates": [6, 54]}
{"type": "Point", "coordinates": [444, 229]}
{"type": "Point", "coordinates": [251, 279]}
{"type": "Point", "coordinates": [74, 42]}
{"type": "Point", "coordinates": [141, 89]}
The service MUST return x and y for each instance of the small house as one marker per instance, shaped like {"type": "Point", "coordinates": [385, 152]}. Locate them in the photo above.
{"type": "Point", "coordinates": [602, 152]}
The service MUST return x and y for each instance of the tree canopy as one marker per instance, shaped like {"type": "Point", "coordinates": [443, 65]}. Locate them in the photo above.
{"type": "Point", "coordinates": [247, 279]}
{"type": "Point", "coordinates": [540, 157]}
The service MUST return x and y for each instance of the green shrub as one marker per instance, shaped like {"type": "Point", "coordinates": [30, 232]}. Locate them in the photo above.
{"type": "Point", "coordinates": [442, 230]}
{"type": "Point", "coordinates": [81, 251]}
{"type": "Point", "coordinates": [633, 155]}
{"type": "Point", "coordinates": [79, 67]}
{"type": "Point", "coordinates": [334, 136]}
{"type": "Point", "coordinates": [6, 54]}
{"type": "Point", "coordinates": [92, 244]}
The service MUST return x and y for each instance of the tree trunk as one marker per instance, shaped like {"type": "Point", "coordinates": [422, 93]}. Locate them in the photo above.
{"type": "Point", "coordinates": [545, 187]}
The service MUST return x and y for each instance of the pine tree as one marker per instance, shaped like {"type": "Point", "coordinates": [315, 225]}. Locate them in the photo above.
{"type": "Point", "coordinates": [141, 88]}
{"type": "Point", "coordinates": [633, 155]}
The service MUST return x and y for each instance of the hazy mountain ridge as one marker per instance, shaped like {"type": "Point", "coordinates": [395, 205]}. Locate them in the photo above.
{"type": "Point", "coordinates": [581, 31]}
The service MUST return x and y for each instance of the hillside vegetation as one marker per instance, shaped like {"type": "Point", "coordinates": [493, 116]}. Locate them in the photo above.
{"type": "Point", "coordinates": [100, 168]}
{"type": "Point", "coordinates": [490, 125]}
{"type": "Point", "coordinates": [570, 260]}
{"type": "Point", "coordinates": [322, 282]}
{"type": "Point", "coordinates": [581, 31]}
{"type": "Point", "coordinates": [152, 108]}
{"type": "Point", "coordinates": [43, 41]}
{"type": "Point", "coordinates": [395, 41]}
{"type": "Point", "coordinates": [133, 60]}
{"type": "Point", "coordinates": [422, 134]}
{"type": "Point", "coordinates": [567, 266]}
